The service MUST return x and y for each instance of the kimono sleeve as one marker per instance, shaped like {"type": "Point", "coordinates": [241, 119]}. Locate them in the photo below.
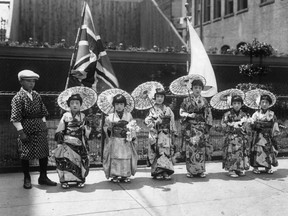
{"type": "Point", "coordinates": [183, 108]}
{"type": "Point", "coordinates": [172, 122]}
{"type": "Point", "coordinates": [149, 119]}
{"type": "Point", "coordinates": [61, 125]}
{"type": "Point", "coordinates": [208, 114]}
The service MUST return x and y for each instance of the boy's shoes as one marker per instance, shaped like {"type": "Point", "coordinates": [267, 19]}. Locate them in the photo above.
{"type": "Point", "coordinates": [46, 181]}
{"type": "Point", "coordinates": [27, 183]}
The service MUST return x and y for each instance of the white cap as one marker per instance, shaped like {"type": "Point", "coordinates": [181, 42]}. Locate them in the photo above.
{"type": "Point", "coordinates": [27, 74]}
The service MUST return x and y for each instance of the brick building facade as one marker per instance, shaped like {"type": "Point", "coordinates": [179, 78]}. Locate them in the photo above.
{"type": "Point", "coordinates": [228, 23]}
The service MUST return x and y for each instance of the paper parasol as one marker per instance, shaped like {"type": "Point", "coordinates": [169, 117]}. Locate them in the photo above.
{"type": "Point", "coordinates": [222, 100]}
{"type": "Point", "coordinates": [144, 93]}
{"type": "Point", "coordinates": [105, 100]}
{"type": "Point", "coordinates": [88, 96]}
{"type": "Point", "coordinates": [252, 98]}
{"type": "Point", "coordinates": [182, 85]}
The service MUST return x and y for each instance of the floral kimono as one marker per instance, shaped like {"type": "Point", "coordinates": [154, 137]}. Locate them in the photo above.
{"type": "Point", "coordinates": [160, 150]}
{"type": "Point", "coordinates": [119, 156]}
{"type": "Point", "coordinates": [263, 149]}
{"type": "Point", "coordinates": [236, 144]}
{"type": "Point", "coordinates": [71, 156]}
{"type": "Point", "coordinates": [195, 132]}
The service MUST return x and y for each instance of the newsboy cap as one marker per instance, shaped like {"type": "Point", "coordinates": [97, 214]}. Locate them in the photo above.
{"type": "Point", "coordinates": [27, 74]}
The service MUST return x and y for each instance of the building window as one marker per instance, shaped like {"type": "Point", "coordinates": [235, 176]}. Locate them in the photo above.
{"type": "Point", "coordinates": [217, 9]}
{"type": "Point", "coordinates": [229, 7]}
{"type": "Point", "coordinates": [266, 2]}
{"type": "Point", "coordinates": [224, 49]}
{"type": "Point", "coordinates": [197, 13]}
{"type": "Point", "coordinates": [242, 4]}
{"type": "Point", "coordinates": [207, 10]}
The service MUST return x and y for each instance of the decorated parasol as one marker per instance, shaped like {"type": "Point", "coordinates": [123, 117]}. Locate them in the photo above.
{"type": "Point", "coordinates": [182, 85]}
{"type": "Point", "coordinates": [105, 100]}
{"type": "Point", "coordinates": [222, 100]}
{"type": "Point", "coordinates": [144, 93]}
{"type": "Point", "coordinates": [88, 96]}
{"type": "Point", "coordinates": [252, 98]}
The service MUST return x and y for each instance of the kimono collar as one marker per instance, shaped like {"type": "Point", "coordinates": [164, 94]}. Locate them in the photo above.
{"type": "Point", "coordinates": [263, 111]}
{"type": "Point", "coordinates": [235, 112]}
{"type": "Point", "coordinates": [120, 113]}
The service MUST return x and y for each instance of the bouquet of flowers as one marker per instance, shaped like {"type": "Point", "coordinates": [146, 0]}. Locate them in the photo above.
{"type": "Point", "coordinates": [239, 124]}
{"type": "Point", "coordinates": [252, 70]}
{"type": "Point", "coordinates": [256, 48]}
{"type": "Point", "coordinates": [133, 128]}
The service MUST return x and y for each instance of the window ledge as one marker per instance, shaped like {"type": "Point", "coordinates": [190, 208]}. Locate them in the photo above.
{"type": "Point", "coordinates": [266, 3]}
{"type": "Point", "coordinates": [242, 11]}
{"type": "Point", "coordinates": [206, 23]}
{"type": "Point", "coordinates": [217, 19]}
{"type": "Point", "coordinates": [228, 15]}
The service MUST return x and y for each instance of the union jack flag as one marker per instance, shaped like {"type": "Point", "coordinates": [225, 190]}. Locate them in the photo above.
{"type": "Point", "coordinates": [92, 67]}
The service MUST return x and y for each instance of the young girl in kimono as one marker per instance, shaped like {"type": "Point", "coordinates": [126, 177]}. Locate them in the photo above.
{"type": "Point", "coordinates": [196, 122]}
{"type": "Point", "coordinates": [265, 127]}
{"type": "Point", "coordinates": [161, 122]}
{"type": "Point", "coordinates": [71, 156]}
{"type": "Point", "coordinates": [236, 149]}
{"type": "Point", "coordinates": [120, 156]}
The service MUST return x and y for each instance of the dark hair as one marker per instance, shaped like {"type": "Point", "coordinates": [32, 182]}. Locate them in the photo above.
{"type": "Point", "coordinates": [74, 97]}
{"type": "Point", "coordinates": [266, 97]}
{"type": "Point", "coordinates": [197, 82]}
{"type": "Point", "coordinates": [160, 91]}
{"type": "Point", "coordinates": [236, 98]}
{"type": "Point", "coordinates": [119, 98]}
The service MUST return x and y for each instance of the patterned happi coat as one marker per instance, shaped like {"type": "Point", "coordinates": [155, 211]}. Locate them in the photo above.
{"type": "Point", "coordinates": [236, 144]}
{"type": "Point", "coordinates": [119, 156]}
{"type": "Point", "coordinates": [195, 132]}
{"type": "Point", "coordinates": [30, 113]}
{"type": "Point", "coordinates": [160, 149]}
{"type": "Point", "coordinates": [72, 161]}
{"type": "Point", "coordinates": [264, 147]}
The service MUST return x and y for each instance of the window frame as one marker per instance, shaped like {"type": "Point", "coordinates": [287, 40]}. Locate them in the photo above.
{"type": "Point", "coordinates": [226, 12]}
{"type": "Point", "coordinates": [217, 9]}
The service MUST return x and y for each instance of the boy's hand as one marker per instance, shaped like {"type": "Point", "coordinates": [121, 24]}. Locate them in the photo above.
{"type": "Point", "coordinates": [22, 135]}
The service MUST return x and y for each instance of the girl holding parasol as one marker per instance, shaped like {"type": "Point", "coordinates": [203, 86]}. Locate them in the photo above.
{"type": "Point", "coordinates": [71, 155]}
{"type": "Point", "coordinates": [265, 127]}
{"type": "Point", "coordinates": [196, 122]}
{"type": "Point", "coordinates": [162, 129]}
{"type": "Point", "coordinates": [119, 156]}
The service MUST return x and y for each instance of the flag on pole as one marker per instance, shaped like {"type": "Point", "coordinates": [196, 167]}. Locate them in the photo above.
{"type": "Point", "coordinates": [92, 66]}
{"type": "Point", "coordinates": [200, 63]}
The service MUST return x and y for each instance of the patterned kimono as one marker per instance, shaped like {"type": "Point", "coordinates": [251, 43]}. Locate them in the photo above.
{"type": "Point", "coordinates": [263, 149]}
{"type": "Point", "coordinates": [236, 144]}
{"type": "Point", "coordinates": [30, 113]}
{"type": "Point", "coordinates": [119, 156]}
{"type": "Point", "coordinates": [71, 157]}
{"type": "Point", "coordinates": [195, 132]}
{"type": "Point", "coordinates": [160, 149]}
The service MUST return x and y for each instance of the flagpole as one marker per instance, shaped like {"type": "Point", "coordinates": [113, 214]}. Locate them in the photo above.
{"type": "Point", "coordinates": [187, 39]}
{"type": "Point", "coordinates": [168, 21]}
{"type": "Point", "coordinates": [72, 61]}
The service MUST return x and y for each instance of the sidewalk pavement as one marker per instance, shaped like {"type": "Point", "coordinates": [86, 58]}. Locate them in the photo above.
{"type": "Point", "coordinates": [217, 194]}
